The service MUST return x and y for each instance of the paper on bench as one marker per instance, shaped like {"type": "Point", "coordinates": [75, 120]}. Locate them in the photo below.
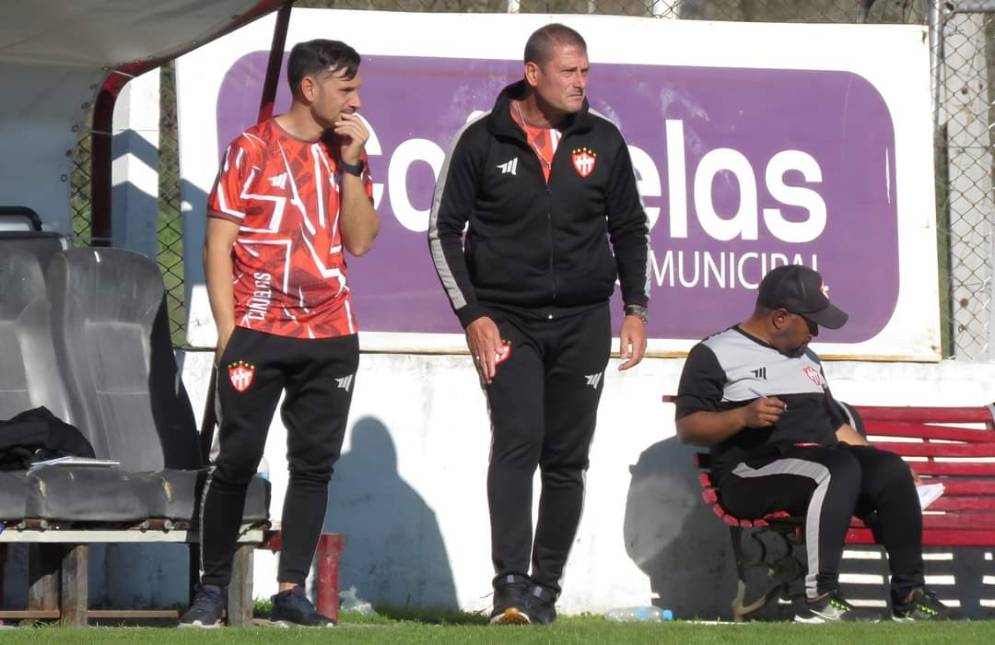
{"type": "Point", "coordinates": [928, 493]}
{"type": "Point", "coordinates": [74, 461]}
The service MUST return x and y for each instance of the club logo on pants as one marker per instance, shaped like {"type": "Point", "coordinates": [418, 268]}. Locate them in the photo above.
{"type": "Point", "coordinates": [584, 161]}
{"type": "Point", "coordinates": [241, 374]}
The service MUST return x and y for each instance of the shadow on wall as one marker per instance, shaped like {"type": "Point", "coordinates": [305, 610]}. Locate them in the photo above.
{"type": "Point", "coordinates": [674, 538]}
{"type": "Point", "coordinates": [394, 554]}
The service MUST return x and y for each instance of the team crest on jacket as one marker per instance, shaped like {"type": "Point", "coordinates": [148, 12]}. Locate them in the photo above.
{"type": "Point", "coordinates": [814, 376]}
{"type": "Point", "coordinates": [584, 161]}
{"type": "Point", "coordinates": [241, 374]}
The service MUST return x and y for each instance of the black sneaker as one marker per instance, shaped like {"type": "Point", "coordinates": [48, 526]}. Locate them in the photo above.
{"type": "Point", "coordinates": [832, 608]}
{"type": "Point", "coordinates": [924, 605]}
{"type": "Point", "coordinates": [541, 605]}
{"type": "Point", "coordinates": [510, 597]}
{"type": "Point", "coordinates": [206, 609]}
{"type": "Point", "coordinates": [292, 608]}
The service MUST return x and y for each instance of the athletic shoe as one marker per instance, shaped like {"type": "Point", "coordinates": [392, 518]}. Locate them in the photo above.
{"type": "Point", "coordinates": [924, 605]}
{"type": "Point", "coordinates": [207, 608]}
{"type": "Point", "coordinates": [510, 597]}
{"type": "Point", "coordinates": [832, 608]}
{"type": "Point", "coordinates": [292, 608]}
{"type": "Point", "coordinates": [541, 605]}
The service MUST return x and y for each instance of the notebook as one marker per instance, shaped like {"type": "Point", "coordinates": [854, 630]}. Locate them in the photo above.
{"type": "Point", "coordinates": [928, 493]}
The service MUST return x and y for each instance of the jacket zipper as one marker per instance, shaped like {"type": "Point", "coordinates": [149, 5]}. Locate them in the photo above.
{"type": "Point", "coordinates": [549, 208]}
{"type": "Point", "coordinates": [549, 230]}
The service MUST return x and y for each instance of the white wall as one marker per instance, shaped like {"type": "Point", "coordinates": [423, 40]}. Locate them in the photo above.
{"type": "Point", "coordinates": [417, 531]}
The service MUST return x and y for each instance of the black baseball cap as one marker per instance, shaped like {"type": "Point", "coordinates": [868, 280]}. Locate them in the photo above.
{"type": "Point", "coordinates": [801, 291]}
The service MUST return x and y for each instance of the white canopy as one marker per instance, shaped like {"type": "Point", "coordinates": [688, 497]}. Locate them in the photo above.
{"type": "Point", "coordinates": [53, 57]}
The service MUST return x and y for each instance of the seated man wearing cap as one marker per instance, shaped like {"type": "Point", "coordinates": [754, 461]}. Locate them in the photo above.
{"type": "Point", "coordinates": [757, 396]}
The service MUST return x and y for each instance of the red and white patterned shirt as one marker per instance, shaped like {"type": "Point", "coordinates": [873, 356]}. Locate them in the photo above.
{"type": "Point", "coordinates": [289, 269]}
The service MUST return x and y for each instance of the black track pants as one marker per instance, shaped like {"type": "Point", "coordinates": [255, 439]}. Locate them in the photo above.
{"type": "Point", "coordinates": [543, 406]}
{"type": "Point", "coordinates": [828, 486]}
{"type": "Point", "coordinates": [318, 376]}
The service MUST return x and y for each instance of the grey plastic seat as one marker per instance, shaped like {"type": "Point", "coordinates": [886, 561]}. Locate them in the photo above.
{"type": "Point", "coordinates": [43, 245]}
{"type": "Point", "coordinates": [111, 333]}
{"type": "Point", "coordinates": [24, 332]}
{"type": "Point", "coordinates": [30, 377]}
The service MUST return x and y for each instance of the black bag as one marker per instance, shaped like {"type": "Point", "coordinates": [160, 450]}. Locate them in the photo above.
{"type": "Point", "coordinates": [37, 435]}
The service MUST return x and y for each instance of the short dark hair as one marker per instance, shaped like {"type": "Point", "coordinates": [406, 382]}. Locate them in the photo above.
{"type": "Point", "coordinates": [314, 56]}
{"type": "Point", "coordinates": [539, 48]}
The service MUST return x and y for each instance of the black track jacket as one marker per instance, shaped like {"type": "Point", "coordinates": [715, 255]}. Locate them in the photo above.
{"type": "Point", "coordinates": [531, 246]}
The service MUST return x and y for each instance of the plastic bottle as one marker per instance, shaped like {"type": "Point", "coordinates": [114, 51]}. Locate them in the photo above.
{"type": "Point", "coordinates": [349, 601]}
{"type": "Point", "coordinates": [639, 614]}
{"type": "Point", "coordinates": [263, 469]}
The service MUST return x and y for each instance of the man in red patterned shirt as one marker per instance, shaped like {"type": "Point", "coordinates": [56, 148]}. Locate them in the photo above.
{"type": "Point", "coordinates": [293, 192]}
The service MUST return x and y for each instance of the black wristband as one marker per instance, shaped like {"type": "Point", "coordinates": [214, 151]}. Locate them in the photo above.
{"type": "Point", "coordinates": [352, 168]}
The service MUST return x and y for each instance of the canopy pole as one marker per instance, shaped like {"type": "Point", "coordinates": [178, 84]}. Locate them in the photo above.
{"type": "Point", "coordinates": [275, 62]}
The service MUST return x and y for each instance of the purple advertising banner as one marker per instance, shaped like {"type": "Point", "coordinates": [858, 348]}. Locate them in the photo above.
{"type": "Point", "coordinates": [740, 170]}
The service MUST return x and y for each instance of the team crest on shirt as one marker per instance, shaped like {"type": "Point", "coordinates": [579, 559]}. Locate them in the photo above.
{"type": "Point", "coordinates": [584, 160]}
{"type": "Point", "coordinates": [814, 376]}
{"type": "Point", "coordinates": [241, 375]}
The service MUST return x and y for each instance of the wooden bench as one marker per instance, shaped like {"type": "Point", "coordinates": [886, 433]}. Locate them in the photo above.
{"type": "Point", "coordinates": [952, 446]}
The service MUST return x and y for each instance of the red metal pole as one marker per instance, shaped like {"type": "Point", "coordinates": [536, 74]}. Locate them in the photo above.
{"type": "Point", "coordinates": [275, 61]}
{"type": "Point", "coordinates": [100, 150]}
{"type": "Point", "coordinates": [329, 552]}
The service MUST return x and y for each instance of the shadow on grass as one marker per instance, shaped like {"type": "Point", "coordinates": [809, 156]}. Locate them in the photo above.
{"type": "Point", "coordinates": [388, 614]}
{"type": "Point", "coordinates": [431, 616]}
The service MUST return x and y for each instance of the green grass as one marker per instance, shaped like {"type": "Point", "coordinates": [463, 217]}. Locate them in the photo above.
{"type": "Point", "coordinates": [580, 629]}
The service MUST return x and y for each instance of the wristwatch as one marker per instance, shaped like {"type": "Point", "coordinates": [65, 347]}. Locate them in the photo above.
{"type": "Point", "coordinates": [637, 310]}
{"type": "Point", "coordinates": [352, 168]}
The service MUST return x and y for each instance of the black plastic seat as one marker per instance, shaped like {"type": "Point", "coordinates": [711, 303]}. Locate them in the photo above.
{"type": "Point", "coordinates": [91, 495]}
{"type": "Point", "coordinates": [12, 496]}
{"type": "Point", "coordinates": [182, 486]}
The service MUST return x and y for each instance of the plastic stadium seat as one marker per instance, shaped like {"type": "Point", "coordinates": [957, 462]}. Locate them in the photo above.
{"type": "Point", "coordinates": [111, 333]}
{"type": "Point", "coordinates": [112, 373]}
{"type": "Point", "coordinates": [30, 377]}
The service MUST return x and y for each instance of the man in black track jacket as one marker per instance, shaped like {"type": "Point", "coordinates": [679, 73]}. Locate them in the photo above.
{"type": "Point", "coordinates": [546, 192]}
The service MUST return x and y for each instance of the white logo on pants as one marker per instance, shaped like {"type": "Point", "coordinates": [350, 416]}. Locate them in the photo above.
{"type": "Point", "coordinates": [594, 379]}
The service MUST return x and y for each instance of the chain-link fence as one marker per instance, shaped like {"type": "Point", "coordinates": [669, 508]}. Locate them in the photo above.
{"type": "Point", "coordinates": [963, 45]}
{"type": "Point", "coordinates": [964, 69]}
{"type": "Point", "coordinates": [170, 223]}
